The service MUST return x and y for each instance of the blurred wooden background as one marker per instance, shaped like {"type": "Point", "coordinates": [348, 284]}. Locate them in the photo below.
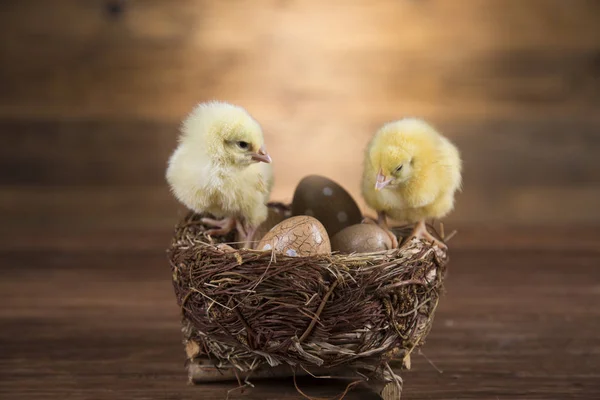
{"type": "Point", "coordinates": [92, 93]}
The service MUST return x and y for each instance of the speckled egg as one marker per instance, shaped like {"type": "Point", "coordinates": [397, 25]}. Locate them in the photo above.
{"type": "Point", "coordinates": [361, 238]}
{"type": "Point", "coordinates": [327, 201]}
{"type": "Point", "coordinates": [275, 216]}
{"type": "Point", "coordinates": [297, 236]}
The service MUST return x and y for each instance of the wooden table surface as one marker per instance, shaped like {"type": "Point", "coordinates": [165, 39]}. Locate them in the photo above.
{"type": "Point", "coordinates": [100, 322]}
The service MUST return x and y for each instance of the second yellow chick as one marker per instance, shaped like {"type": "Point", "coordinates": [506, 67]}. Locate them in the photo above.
{"type": "Point", "coordinates": [411, 173]}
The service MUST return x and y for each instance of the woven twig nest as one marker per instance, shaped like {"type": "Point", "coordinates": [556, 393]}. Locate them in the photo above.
{"type": "Point", "coordinates": [251, 314]}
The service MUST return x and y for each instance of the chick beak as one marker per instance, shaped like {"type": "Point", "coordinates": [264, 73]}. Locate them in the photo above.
{"type": "Point", "coordinates": [261, 155]}
{"type": "Point", "coordinates": [381, 181]}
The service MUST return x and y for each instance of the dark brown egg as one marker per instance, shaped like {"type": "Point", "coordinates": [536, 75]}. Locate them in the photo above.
{"type": "Point", "coordinates": [297, 236]}
{"type": "Point", "coordinates": [275, 216]}
{"type": "Point", "coordinates": [361, 238]}
{"type": "Point", "coordinates": [327, 201]}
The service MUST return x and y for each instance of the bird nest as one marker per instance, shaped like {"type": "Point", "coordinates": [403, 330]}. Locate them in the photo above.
{"type": "Point", "coordinates": [251, 314]}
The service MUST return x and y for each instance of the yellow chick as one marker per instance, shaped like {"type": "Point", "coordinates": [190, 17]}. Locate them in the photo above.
{"type": "Point", "coordinates": [411, 173]}
{"type": "Point", "coordinates": [221, 167]}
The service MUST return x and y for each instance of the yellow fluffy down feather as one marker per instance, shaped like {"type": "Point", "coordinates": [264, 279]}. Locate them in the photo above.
{"type": "Point", "coordinates": [221, 166]}
{"type": "Point", "coordinates": [411, 172]}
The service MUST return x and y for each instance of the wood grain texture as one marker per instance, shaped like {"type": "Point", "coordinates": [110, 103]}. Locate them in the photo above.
{"type": "Point", "coordinates": [93, 99]}
{"type": "Point", "coordinates": [554, 151]}
{"type": "Point", "coordinates": [89, 173]}
{"type": "Point", "coordinates": [98, 324]}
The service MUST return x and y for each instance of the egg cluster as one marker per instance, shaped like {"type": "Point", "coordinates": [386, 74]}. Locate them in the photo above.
{"type": "Point", "coordinates": [323, 218]}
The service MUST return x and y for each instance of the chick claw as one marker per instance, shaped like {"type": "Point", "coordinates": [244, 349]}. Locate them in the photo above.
{"type": "Point", "coordinates": [420, 231]}
{"type": "Point", "coordinates": [249, 241]}
{"type": "Point", "coordinates": [221, 226]}
{"type": "Point", "coordinates": [382, 222]}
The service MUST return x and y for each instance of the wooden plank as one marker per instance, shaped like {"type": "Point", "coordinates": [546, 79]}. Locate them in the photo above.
{"type": "Point", "coordinates": [497, 153]}
{"type": "Point", "coordinates": [75, 211]}
{"type": "Point", "coordinates": [85, 152]}
{"type": "Point", "coordinates": [89, 325]}
{"type": "Point", "coordinates": [66, 208]}
{"type": "Point", "coordinates": [536, 22]}
{"type": "Point", "coordinates": [432, 58]}
{"type": "Point", "coordinates": [122, 239]}
{"type": "Point", "coordinates": [166, 83]}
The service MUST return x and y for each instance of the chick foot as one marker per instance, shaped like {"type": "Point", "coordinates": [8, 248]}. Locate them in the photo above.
{"type": "Point", "coordinates": [245, 235]}
{"type": "Point", "coordinates": [368, 220]}
{"type": "Point", "coordinates": [382, 222]}
{"type": "Point", "coordinates": [250, 242]}
{"type": "Point", "coordinates": [221, 227]}
{"type": "Point", "coordinates": [420, 231]}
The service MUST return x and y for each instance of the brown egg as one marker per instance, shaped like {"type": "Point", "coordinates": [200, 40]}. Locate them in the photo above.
{"type": "Point", "coordinates": [297, 236]}
{"type": "Point", "coordinates": [327, 201]}
{"type": "Point", "coordinates": [275, 216]}
{"type": "Point", "coordinates": [361, 238]}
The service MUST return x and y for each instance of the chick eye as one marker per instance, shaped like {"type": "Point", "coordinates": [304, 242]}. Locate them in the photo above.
{"type": "Point", "coordinates": [243, 145]}
{"type": "Point", "coordinates": [399, 168]}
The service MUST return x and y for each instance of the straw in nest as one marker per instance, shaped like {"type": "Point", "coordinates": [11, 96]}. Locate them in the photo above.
{"type": "Point", "coordinates": [251, 314]}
